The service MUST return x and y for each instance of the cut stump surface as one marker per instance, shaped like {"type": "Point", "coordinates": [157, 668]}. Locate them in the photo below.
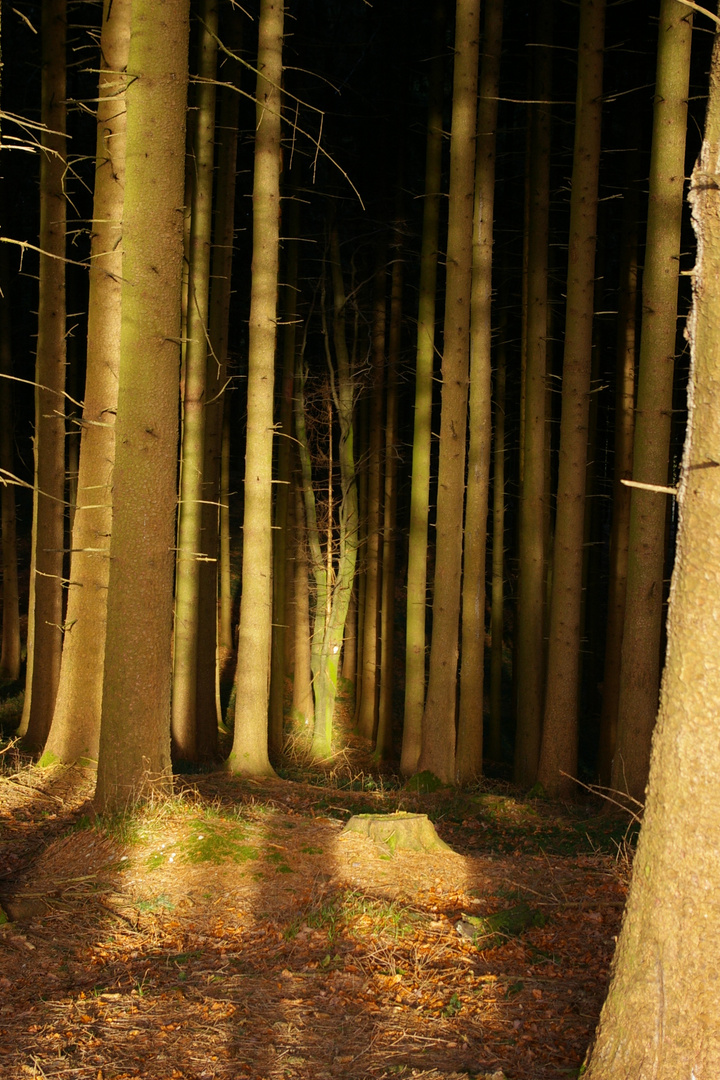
{"type": "Point", "coordinates": [410, 832]}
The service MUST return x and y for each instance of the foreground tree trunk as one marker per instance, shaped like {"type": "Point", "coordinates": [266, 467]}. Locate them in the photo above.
{"type": "Point", "coordinates": [250, 745]}
{"type": "Point", "coordinates": [438, 726]}
{"type": "Point", "coordinates": [48, 540]}
{"type": "Point", "coordinates": [660, 1018]}
{"type": "Point", "coordinates": [640, 666]}
{"type": "Point", "coordinates": [135, 730]}
{"type": "Point", "coordinates": [558, 755]}
{"type": "Point", "coordinates": [75, 731]}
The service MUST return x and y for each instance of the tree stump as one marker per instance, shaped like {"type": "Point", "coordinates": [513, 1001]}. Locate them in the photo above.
{"type": "Point", "coordinates": [411, 832]}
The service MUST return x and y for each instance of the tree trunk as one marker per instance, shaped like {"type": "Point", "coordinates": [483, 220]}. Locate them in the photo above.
{"type": "Point", "coordinates": [384, 740]}
{"type": "Point", "coordinates": [660, 1018]}
{"type": "Point", "coordinates": [302, 705]}
{"type": "Point", "coordinates": [640, 666]}
{"type": "Point", "coordinates": [10, 658]}
{"type": "Point", "coordinates": [529, 665]}
{"type": "Point", "coordinates": [135, 730]}
{"type": "Point", "coordinates": [334, 573]}
{"type": "Point", "coordinates": [469, 757]}
{"type": "Point", "coordinates": [75, 731]}
{"type": "Point", "coordinates": [558, 753]}
{"type": "Point", "coordinates": [48, 539]}
{"type": "Point", "coordinates": [498, 555]}
{"type": "Point", "coordinates": [249, 754]}
{"type": "Point", "coordinates": [438, 727]}
{"type": "Point", "coordinates": [624, 426]}
{"type": "Point", "coordinates": [211, 652]}
{"type": "Point", "coordinates": [283, 490]}
{"type": "Point", "coordinates": [415, 652]}
{"type": "Point", "coordinates": [192, 459]}
{"type": "Point", "coordinates": [368, 683]}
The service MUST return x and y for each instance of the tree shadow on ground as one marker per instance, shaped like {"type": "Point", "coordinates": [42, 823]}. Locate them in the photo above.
{"type": "Point", "coordinates": [233, 931]}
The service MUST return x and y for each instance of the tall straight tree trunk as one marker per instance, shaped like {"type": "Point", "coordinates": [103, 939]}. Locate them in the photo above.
{"type": "Point", "coordinates": [438, 726]}
{"type": "Point", "coordinates": [558, 753]}
{"type": "Point", "coordinates": [369, 682]}
{"type": "Point", "coordinates": [75, 731]}
{"type": "Point", "coordinates": [226, 600]}
{"type": "Point", "coordinates": [135, 729]}
{"type": "Point", "coordinates": [10, 656]}
{"type": "Point", "coordinates": [640, 666]}
{"type": "Point", "coordinates": [529, 665]}
{"type": "Point", "coordinates": [469, 757]}
{"type": "Point", "coordinates": [210, 651]}
{"type": "Point", "coordinates": [415, 653]}
{"type": "Point", "coordinates": [302, 706]}
{"type": "Point", "coordinates": [624, 427]}
{"type": "Point", "coordinates": [498, 554]}
{"type": "Point", "coordinates": [250, 745]}
{"type": "Point", "coordinates": [660, 1018]}
{"type": "Point", "coordinates": [192, 462]}
{"type": "Point", "coordinates": [283, 490]}
{"type": "Point", "coordinates": [46, 570]}
{"type": "Point", "coordinates": [384, 740]}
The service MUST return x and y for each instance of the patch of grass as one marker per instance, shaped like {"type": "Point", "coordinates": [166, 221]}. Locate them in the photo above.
{"type": "Point", "coordinates": [209, 843]}
{"type": "Point", "coordinates": [161, 902]}
{"type": "Point", "coordinates": [349, 911]}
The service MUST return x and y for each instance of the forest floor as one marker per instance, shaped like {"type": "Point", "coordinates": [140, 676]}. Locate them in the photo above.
{"type": "Point", "coordinates": [235, 931]}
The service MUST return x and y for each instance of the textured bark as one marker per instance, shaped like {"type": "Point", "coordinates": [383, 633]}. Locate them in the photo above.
{"type": "Point", "coordinates": [191, 548]}
{"type": "Point", "coordinates": [438, 726]}
{"type": "Point", "coordinates": [302, 704]}
{"type": "Point", "coordinates": [10, 658]}
{"type": "Point", "coordinates": [283, 491]}
{"type": "Point", "coordinates": [624, 426]}
{"type": "Point", "coordinates": [210, 650]}
{"type": "Point", "coordinates": [529, 666]}
{"type": "Point", "coordinates": [640, 666]}
{"type": "Point", "coordinates": [75, 731]}
{"type": "Point", "coordinates": [135, 730]}
{"type": "Point", "coordinates": [469, 756]}
{"type": "Point", "coordinates": [415, 652]}
{"type": "Point", "coordinates": [498, 556]}
{"type": "Point", "coordinates": [384, 739]}
{"type": "Point", "coordinates": [46, 571]}
{"type": "Point", "coordinates": [333, 568]}
{"type": "Point", "coordinates": [369, 681]}
{"type": "Point", "coordinates": [558, 755]}
{"type": "Point", "coordinates": [660, 1018]}
{"type": "Point", "coordinates": [249, 754]}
